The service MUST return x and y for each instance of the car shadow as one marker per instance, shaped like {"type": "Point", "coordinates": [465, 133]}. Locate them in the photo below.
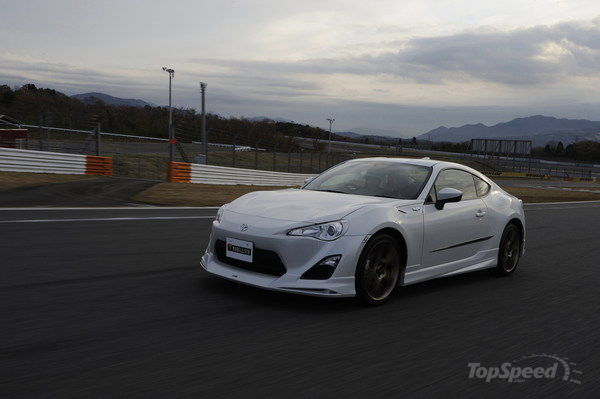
{"type": "Point", "coordinates": [302, 303]}
{"type": "Point", "coordinates": [459, 281]}
{"type": "Point", "coordinates": [273, 299]}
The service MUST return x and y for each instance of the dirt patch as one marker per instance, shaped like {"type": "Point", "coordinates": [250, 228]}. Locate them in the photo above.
{"type": "Point", "coordinates": [190, 194]}
{"type": "Point", "coordinates": [548, 195]}
{"type": "Point", "coordinates": [9, 180]}
{"type": "Point", "coordinates": [589, 188]}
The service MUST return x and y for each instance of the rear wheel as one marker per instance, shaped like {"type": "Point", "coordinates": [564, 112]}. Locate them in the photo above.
{"type": "Point", "coordinates": [378, 270]}
{"type": "Point", "coordinates": [509, 251]}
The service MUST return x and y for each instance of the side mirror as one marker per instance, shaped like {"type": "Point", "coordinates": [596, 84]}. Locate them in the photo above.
{"type": "Point", "coordinates": [446, 195]}
{"type": "Point", "coordinates": [309, 180]}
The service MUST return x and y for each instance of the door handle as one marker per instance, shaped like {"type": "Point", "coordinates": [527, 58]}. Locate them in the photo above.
{"type": "Point", "coordinates": [480, 213]}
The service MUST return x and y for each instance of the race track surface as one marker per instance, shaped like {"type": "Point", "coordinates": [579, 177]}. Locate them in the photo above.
{"type": "Point", "coordinates": [100, 191]}
{"type": "Point", "coordinates": [120, 308]}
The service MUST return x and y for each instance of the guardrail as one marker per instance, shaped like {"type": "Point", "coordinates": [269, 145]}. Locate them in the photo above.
{"type": "Point", "coordinates": [208, 174]}
{"type": "Point", "coordinates": [14, 160]}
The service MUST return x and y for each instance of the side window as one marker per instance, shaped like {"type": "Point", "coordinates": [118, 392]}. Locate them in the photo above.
{"type": "Point", "coordinates": [481, 186]}
{"type": "Point", "coordinates": [459, 180]}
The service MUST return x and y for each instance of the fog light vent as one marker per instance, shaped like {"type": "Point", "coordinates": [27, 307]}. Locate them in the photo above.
{"type": "Point", "coordinates": [322, 270]}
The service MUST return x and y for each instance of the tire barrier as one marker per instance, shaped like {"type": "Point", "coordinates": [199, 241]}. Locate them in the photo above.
{"type": "Point", "coordinates": [182, 172]}
{"type": "Point", "coordinates": [14, 160]}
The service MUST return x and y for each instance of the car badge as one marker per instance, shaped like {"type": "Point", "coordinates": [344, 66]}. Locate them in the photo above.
{"type": "Point", "coordinates": [243, 227]}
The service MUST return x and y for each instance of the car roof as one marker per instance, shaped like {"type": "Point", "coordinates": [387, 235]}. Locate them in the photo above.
{"type": "Point", "coordinates": [419, 161]}
{"type": "Point", "coordinates": [414, 161]}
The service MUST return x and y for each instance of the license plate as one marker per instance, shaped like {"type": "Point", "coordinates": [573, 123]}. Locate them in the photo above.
{"type": "Point", "coordinates": [239, 249]}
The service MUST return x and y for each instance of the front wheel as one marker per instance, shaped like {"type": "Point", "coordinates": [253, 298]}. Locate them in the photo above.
{"type": "Point", "coordinates": [509, 251]}
{"type": "Point", "coordinates": [378, 270]}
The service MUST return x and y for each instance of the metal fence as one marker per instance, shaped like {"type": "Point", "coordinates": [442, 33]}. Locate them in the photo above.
{"type": "Point", "coordinates": [147, 157]}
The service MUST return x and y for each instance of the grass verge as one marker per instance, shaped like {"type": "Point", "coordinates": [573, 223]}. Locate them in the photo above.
{"type": "Point", "coordinates": [10, 180]}
{"type": "Point", "coordinates": [188, 194]}
{"type": "Point", "coordinates": [528, 194]}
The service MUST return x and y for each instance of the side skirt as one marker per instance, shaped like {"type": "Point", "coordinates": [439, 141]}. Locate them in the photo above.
{"type": "Point", "coordinates": [483, 260]}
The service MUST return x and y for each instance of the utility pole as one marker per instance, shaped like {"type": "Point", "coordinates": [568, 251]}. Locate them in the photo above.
{"type": "Point", "coordinates": [330, 123]}
{"type": "Point", "coordinates": [98, 139]}
{"type": "Point", "coordinates": [203, 124]}
{"type": "Point", "coordinates": [171, 73]}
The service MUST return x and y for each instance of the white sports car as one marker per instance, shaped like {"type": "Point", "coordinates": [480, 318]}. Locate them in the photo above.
{"type": "Point", "coordinates": [366, 226]}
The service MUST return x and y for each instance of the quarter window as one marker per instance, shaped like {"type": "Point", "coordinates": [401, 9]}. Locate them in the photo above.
{"type": "Point", "coordinates": [481, 186]}
{"type": "Point", "coordinates": [458, 179]}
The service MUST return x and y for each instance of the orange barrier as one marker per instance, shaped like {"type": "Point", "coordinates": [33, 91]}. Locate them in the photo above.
{"type": "Point", "coordinates": [98, 165]}
{"type": "Point", "coordinates": [180, 172]}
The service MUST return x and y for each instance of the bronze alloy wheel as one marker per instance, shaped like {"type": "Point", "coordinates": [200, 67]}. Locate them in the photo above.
{"type": "Point", "coordinates": [378, 270]}
{"type": "Point", "coordinates": [509, 251]}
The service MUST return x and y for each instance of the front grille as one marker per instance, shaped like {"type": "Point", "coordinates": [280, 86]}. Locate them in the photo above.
{"type": "Point", "coordinates": [263, 261]}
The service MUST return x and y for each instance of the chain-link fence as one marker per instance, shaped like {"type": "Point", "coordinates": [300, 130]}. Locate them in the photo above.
{"type": "Point", "coordinates": [146, 157]}
{"type": "Point", "coordinates": [268, 149]}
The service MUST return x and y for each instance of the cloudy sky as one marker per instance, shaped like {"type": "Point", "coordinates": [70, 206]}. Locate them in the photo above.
{"type": "Point", "coordinates": [402, 65]}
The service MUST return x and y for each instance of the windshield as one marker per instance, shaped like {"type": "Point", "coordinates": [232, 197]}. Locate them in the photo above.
{"type": "Point", "coordinates": [374, 178]}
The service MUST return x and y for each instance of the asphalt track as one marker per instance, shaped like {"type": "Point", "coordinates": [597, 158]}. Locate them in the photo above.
{"type": "Point", "coordinates": [98, 191]}
{"type": "Point", "coordinates": [112, 303]}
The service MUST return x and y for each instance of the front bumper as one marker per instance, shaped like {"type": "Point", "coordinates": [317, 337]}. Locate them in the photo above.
{"type": "Point", "coordinates": [297, 253]}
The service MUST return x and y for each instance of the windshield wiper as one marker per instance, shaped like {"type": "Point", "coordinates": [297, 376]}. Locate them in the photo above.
{"type": "Point", "coordinates": [385, 196]}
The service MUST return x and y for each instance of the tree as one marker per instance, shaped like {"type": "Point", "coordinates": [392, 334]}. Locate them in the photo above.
{"type": "Point", "coordinates": [559, 149]}
{"type": "Point", "coordinates": [30, 105]}
{"type": "Point", "coordinates": [318, 145]}
{"type": "Point", "coordinates": [550, 147]}
{"type": "Point", "coordinates": [414, 141]}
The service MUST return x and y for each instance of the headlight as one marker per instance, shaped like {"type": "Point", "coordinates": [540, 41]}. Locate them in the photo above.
{"type": "Point", "coordinates": [324, 231]}
{"type": "Point", "coordinates": [220, 213]}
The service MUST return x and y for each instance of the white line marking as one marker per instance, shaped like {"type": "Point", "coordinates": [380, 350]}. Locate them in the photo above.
{"type": "Point", "coordinates": [105, 219]}
{"type": "Point", "coordinates": [562, 203]}
{"type": "Point", "coordinates": [48, 208]}
{"type": "Point", "coordinates": [563, 207]}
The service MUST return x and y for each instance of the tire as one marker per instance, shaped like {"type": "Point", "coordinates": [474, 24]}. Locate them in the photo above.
{"type": "Point", "coordinates": [378, 270]}
{"type": "Point", "coordinates": [509, 251]}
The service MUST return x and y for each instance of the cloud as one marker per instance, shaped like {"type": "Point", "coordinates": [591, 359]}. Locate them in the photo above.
{"type": "Point", "coordinates": [28, 69]}
{"type": "Point", "coordinates": [527, 56]}
{"type": "Point", "coordinates": [422, 82]}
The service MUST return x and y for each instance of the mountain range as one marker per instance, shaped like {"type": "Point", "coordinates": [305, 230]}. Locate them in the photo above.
{"type": "Point", "coordinates": [369, 131]}
{"type": "Point", "coordinates": [110, 100]}
{"type": "Point", "coordinates": [539, 129]}
{"type": "Point", "coordinates": [266, 118]}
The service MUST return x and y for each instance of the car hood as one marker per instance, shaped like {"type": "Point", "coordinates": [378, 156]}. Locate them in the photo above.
{"type": "Point", "coordinates": [304, 205]}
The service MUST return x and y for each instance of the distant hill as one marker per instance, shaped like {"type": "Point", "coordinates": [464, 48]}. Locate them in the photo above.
{"type": "Point", "coordinates": [368, 131]}
{"type": "Point", "coordinates": [266, 118]}
{"type": "Point", "coordinates": [110, 100]}
{"type": "Point", "coordinates": [538, 128]}
{"type": "Point", "coordinates": [371, 135]}
{"type": "Point", "coordinates": [350, 135]}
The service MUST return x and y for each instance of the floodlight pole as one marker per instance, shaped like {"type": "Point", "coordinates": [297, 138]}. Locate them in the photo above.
{"type": "Point", "coordinates": [203, 123]}
{"type": "Point", "coordinates": [171, 134]}
{"type": "Point", "coordinates": [331, 120]}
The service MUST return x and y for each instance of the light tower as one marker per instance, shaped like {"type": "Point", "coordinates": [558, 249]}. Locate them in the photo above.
{"type": "Point", "coordinates": [171, 134]}
{"type": "Point", "coordinates": [331, 120]}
